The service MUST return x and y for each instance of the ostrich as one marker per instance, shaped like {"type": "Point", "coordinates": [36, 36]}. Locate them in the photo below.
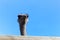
{"type": "Point", "coordinates": [22, 20]}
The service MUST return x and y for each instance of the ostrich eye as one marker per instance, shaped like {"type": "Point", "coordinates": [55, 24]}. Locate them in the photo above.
{"type": "Point", "coordinates": [19, 16]}
{"type": "Point", "coordinates": [27, 16]}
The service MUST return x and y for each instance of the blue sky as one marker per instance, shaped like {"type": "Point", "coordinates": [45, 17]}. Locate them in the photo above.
{"type": "Point", "coordinates": [44, 17]}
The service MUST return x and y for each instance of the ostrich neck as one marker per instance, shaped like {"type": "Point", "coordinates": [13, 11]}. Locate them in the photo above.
{"type": "Point", "coordinates": [23, 29]}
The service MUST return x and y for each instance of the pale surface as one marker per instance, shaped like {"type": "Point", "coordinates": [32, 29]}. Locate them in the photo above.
{"type": "Point", "coordinates": [28, 38]}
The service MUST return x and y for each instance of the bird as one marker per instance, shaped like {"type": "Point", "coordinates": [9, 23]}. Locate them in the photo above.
{"type": "Point", "coordinates": [22, 20]}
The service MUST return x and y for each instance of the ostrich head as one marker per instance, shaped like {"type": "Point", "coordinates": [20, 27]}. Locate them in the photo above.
{"type": "Point", "coordinates": [22, 19]}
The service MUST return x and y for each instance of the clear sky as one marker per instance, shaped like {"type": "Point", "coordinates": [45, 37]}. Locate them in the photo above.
{"type": "Point", "coordinates": [44, 17]}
